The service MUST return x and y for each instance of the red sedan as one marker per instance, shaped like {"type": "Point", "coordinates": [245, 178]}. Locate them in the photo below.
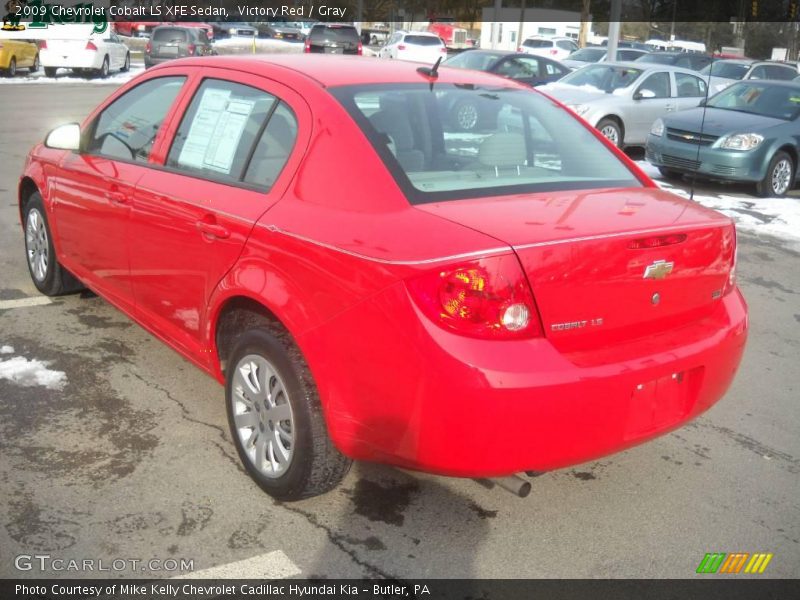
{"type": "Point", "coordinates": [370, 282]}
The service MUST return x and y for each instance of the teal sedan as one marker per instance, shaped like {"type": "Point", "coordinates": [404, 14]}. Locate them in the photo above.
{"type": "Point", "coordinates": [749, 132]}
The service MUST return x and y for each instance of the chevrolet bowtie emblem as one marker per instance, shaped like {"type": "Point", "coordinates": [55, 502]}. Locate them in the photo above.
{"type": "Point", "coordinates": [658, 270]}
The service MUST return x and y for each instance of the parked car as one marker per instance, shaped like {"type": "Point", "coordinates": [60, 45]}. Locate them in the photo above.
{"type": "Point", "coordinates": [18, 54]}
{"type": "Point", "coordinates": [525, 68]}
{"type": "Point", "coordinates": [368, 285]}
{"type": "Point", "coordinates": [623, 99]}
{"type": "Point", "coordinates": [333, 38]}
{"type": "Point", "coordinates": [281, 30]}
{"type": "Point", "coordinates": [417, 46]}
{"type": "Point", "coordinates": [169, 42]}
{"type": "Point", "coordinates": [749, 132]}
{"type": "Point", "coordinates": [558, 48]}
{"type": "Point", "coordinates": [586, 56]}
{"type": "Point", "coordinates": [96, 54]}
{"type": "Point", "coordinates": [229, 29]}
{"type": "Point", "coordinates": [723, 73]}
{"type": "Point", "coordinates": [145, 28]}
{"type": "Point", "coordinates": [687, 60]}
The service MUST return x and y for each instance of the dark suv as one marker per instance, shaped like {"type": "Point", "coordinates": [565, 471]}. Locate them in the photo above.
{"type": "Point", "coordinates": [333, 38]}
{"type": "Point", "coordinates": [171, 41]}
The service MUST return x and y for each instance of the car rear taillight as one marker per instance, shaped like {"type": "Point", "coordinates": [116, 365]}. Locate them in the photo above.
{"type": "Point", "coordinates": [519, 48]}
{"type": "Point", "coordinates": [553, 51]}
{"type": "Point", "coordinates": [443, 50]}
{"type": "Point", "coordinates": [401, 46]}
{"type": "Point", "coordinates": [730, 283]}
{"type": "Point", "coordinates": [487, 298]}
{"type": "Point", "coordinates": [42, 44]}
{"type": "Point", "coordinates": [148, 47]}
{"type": "Point", "coordinates": [192, 49]}
{"type": "Point", "coordinates": [307, 46]}
{"type": "Point", "coordinates": [90, 46]}
{"type": "Point", "coordinates": [360, 50]}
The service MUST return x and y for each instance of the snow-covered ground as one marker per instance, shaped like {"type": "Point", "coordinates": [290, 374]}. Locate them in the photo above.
{"type": "Point", "coordinates": [772, 216]}
{"type": "Point", "coordinates": [28, 373]}
{"type": "Point", "coordinates": [67, 76]}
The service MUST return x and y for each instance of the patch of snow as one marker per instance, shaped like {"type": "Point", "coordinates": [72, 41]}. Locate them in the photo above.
{"type": "Point", "coordinates": [29, 373]}
{"type": "Point", "coordinates": [6, 350]}
{"type": "Point", "coordinates": [67, 76]}
{"type": "Point", "coordinates": [778, 217]}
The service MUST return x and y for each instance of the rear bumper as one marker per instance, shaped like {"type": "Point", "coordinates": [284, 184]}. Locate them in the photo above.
{"type": "Point", "coordinates": [83, 59]}
{"type": "Point", "coordinates": [717, 164]}
{"type": "Point", "coordinates": [398, 389]}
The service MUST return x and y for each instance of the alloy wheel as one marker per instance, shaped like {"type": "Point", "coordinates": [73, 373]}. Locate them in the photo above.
{"type": "Point", "coordinates": [611, 133]}
{"type": "Point", "coordinates": [37, 245]}
{"type": "Point", "coordinates": [781, 177]}
{"type": "Point", "coordinates": [263, 416]}
{"type": "Point", "coordinates": [467, 116]}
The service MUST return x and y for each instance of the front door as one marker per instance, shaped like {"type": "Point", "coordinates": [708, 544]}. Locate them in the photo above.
{"type": "Point", "coordinates": [94, 187]}
{"type": "Point", "coordinates": [651, 99]}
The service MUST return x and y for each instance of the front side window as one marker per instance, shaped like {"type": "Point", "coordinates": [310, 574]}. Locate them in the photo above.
{"type": "Point", "coordinates": [127, 128]}
{"type": "Point", "coordinates": [228, 135]}
{"type": "Point", "coordinates": [518, 68]}
{"type": "Point", "coordinates": [760, 98]}
{"type": "Point", "coordinates": [657, 84]}
{"type": "Point", "coordinates": [514, 141]}
{"type": "Point", "coordinates": [780, 73]}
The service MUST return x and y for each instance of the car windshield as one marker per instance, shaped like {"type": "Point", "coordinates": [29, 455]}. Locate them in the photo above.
{"type": "Point", "coordinates": [588, 54]}
{"type": "Point", "coordinates": [479, 61]}
{"type": "Point", "coordinates": [777, 101]}
{"type": "Point", "coordinates": [606, 78]}
{"type": "Point", "coordinates": [456, 141]}
{"type": "Point", "coordinates": [657, 58]}
{"type": "Point", "coordinates": [726, 70]}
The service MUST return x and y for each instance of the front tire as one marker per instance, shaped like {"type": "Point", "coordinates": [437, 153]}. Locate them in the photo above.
{"type": "Point", "coordinates": [276, 418]}
{"type": "Point", "coordinates": [611, 130]}
{"type": "Point", "coordinates": [11, 71]}
{"type": "Point", "coordinates": [49, 277]}
{"type": "Point", "coordinates": [779, 178]}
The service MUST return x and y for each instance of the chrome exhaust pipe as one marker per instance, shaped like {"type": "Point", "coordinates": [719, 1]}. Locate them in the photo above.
{"type": "Point", "coordinates": [513, 483]}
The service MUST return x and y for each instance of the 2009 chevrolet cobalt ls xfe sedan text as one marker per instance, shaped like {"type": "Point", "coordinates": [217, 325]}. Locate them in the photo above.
{"type": "Point", "coordinates": [372, 283]}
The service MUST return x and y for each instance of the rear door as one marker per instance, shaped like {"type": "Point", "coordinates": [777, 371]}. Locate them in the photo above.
{"type": "Point", "coordinates": [689, 89]}
{"type": "Point", "coordinates": [94, 188]}
{"type": "Point", "coordinates": [237, 141]}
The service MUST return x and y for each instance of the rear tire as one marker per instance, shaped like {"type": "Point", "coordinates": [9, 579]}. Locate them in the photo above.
{"type": "Point", "coordinates": [611, 130]}
{"type": "Point", "coordinates": [103, 71]}
{"type": "Point", "coordinates": [127, 66]}
{"type": "Point", "coordinates": [35, 66]}
{"type": "Point", "coordinates": [779, 178]}
{"type": "Point", "coordinates": [50, 71]}
{"type": "Point", "coordinates": [276, 419]}
{"type": "Point", "coordinates": [49, 277]}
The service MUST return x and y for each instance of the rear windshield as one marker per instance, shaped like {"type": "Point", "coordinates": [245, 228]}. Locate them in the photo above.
{"type": "Point", "coordinates": [334, 34]}
{"type": "Point", "coordinates": [588, 54]}
{"type": "Point", "coordinates": [170, 35]}
{"type": "Point", "coordinates": [776, 101]}
{"type": "Point", "coordinates": [603, 77]}
{"type": "Point", "coordinates": [538, 43]}
{"type": "Point", "coordinates": [422, 40]}
{"type": "Point", "coordinates": [658, 58]}
{"type": "Point", "coordinates": [726, 70]}
{"type": "Point", "coordinates": [456, 141]}
{"type": "Point", "coordinates": [629, 54]}
{"type": "Point", "coordinates": [479, 61]}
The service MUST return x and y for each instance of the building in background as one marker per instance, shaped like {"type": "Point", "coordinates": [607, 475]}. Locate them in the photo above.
{"type": "Point", "coordinates": [509, 27]}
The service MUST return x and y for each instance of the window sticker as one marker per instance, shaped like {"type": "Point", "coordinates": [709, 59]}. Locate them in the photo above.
{"type": "Point", "coordinates": [216, 129]}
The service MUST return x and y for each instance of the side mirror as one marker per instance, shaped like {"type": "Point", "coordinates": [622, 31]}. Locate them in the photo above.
{"type": "Point", "coordinates": [644, 94]}
{"type": "Point", "coordinates": [65, 137]}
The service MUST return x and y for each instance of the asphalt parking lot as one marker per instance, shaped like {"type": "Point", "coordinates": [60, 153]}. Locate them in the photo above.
{"type": "Point", "coordinates": [132, 458]}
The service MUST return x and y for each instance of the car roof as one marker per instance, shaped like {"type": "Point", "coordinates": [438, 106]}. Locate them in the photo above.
{"type": "Point", "coordinates": [334, 70]}
{"type": "Point", "coordinates": [642, 66]}
{"type": "Point", "coordinates": [426, 33]}
{"type": "Point", "coordinates": [738, 61]}
{"type": "Point", "coordinates": [770, 82]}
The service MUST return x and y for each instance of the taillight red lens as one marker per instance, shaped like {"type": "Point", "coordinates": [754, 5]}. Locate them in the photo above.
{"type": "Point", "coordinates": [401, 46]}
{"type": "Point", "coordinates": [360, 48]}
{"type": "Point", "coordinates": [553, 51]}
{"type": "Point", "coordinates": [730, 284]}
{"type": "Point", "coordinates": [42, 44]}
{"type": "Point", "coordinates": [148, 47]}
{"type": "Point", "coordinates": [91, 46]}
{"type": "Point", "coordinates": [307, 47]}
{"type": "Point", "coordinates": [487, 298]}
{"type": "Point", "coordinates": [192, 49]}
{"type": "Point", "coordinates": [657, 241]}
{"type": "Point", "coordinates": [443, 50]}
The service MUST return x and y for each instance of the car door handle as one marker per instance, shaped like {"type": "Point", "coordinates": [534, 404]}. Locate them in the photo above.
{"type": "Point", "coordinates": [117, 197]}
{"type": "Point", "coordinates": [213, 229]}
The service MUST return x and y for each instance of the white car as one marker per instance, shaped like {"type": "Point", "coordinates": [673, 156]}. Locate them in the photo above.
{"type": "Point", "coordinates": [98, 54]}
{"type": "Point", "coordinates": [558, 48]}
{"type": "Point", "coordinates": [417, 46]}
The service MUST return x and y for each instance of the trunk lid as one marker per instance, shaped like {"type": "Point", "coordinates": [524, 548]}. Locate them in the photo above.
{"type": "Point", "coordinates": [586, 256]}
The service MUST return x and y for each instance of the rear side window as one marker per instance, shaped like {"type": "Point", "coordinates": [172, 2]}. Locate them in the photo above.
{"type": "Point", "coordinates": [169, 34]}
{"type": "Point", "coordinates": [334, 34]}
{"type": "Point", "coordinates": [423, 40]}
{"type": "Point", "coordinates": [781, 73]}
{"type": "Point", "coordinates": [127, 128]}
{"type": "Point", "coordinates": [221, 132]}
{"type": "Point", "coordinates": [273, 148]}
{"type": "Point", "coordinates": [689, 86]}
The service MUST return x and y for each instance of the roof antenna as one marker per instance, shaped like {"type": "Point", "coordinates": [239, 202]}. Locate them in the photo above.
{"type": "Point", "coordinates": [702, 125]}
{"type": "Point", "coordinates": [431, 71]}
